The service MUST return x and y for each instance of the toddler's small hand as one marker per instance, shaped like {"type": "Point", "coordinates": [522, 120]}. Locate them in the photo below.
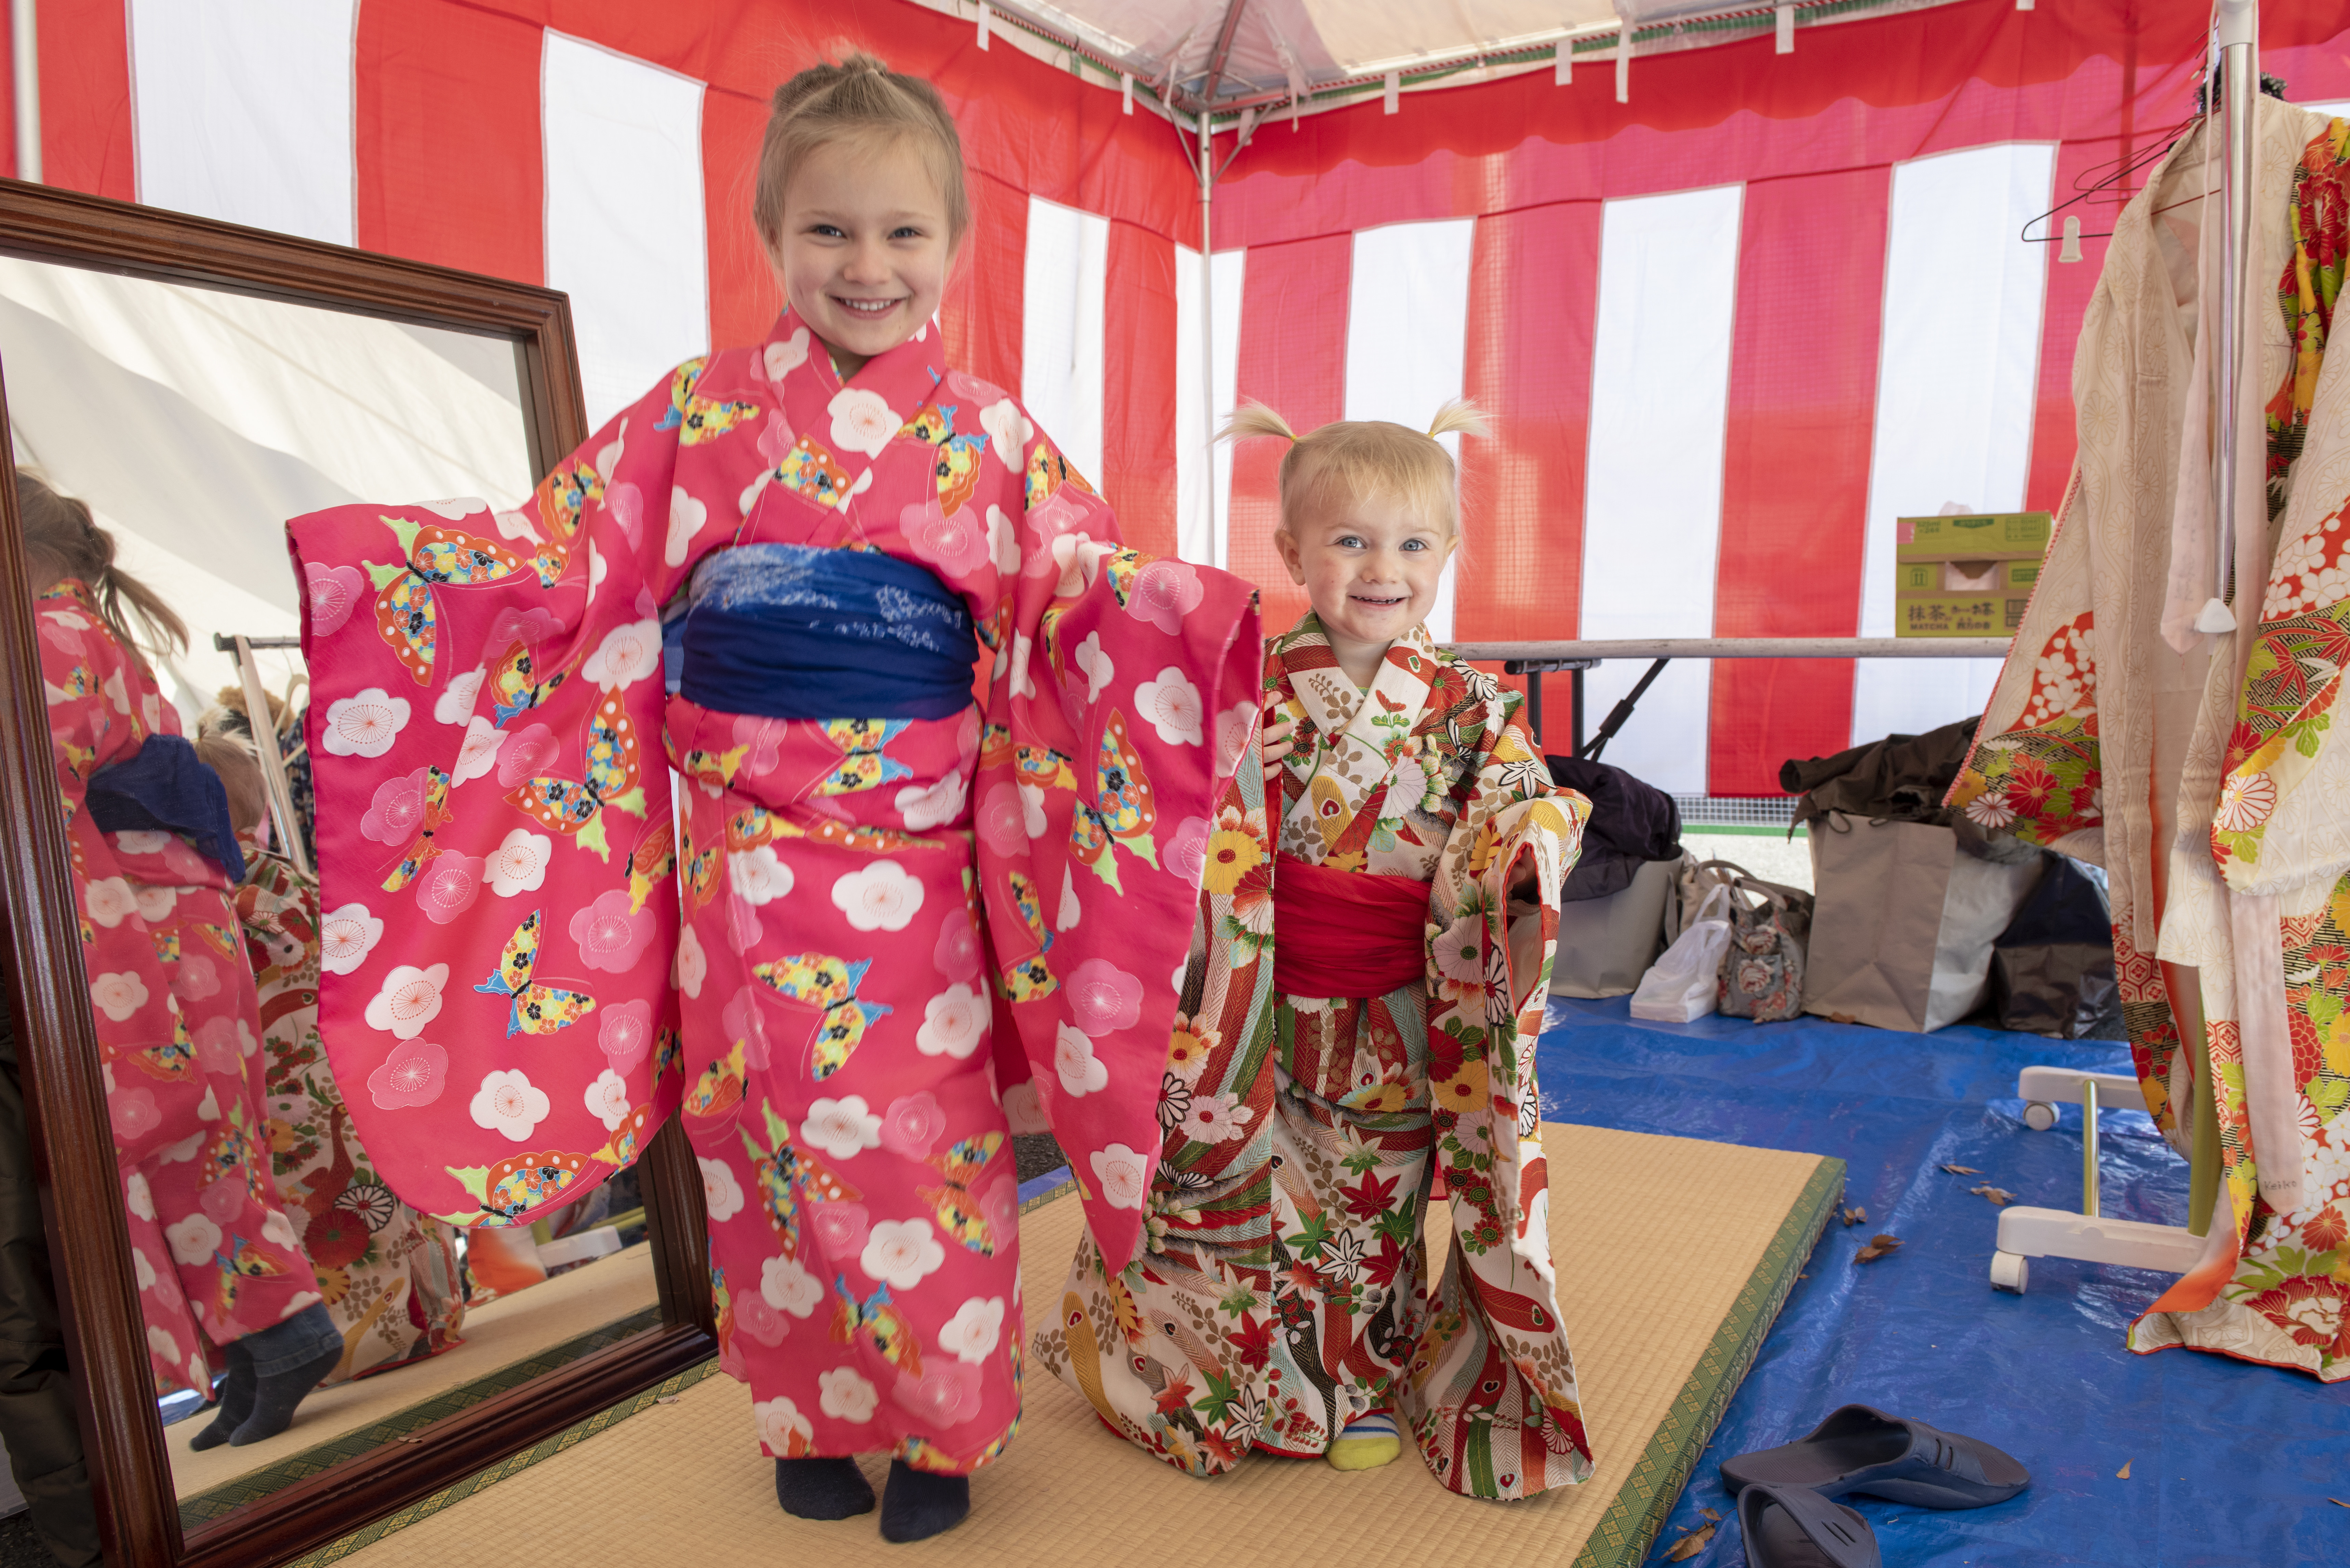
{"type": "Point", "coordinates": [1277, 741]}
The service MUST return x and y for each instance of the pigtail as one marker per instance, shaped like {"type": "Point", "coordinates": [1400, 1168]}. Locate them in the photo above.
{"type": "Point", "coordinates": [1252, 418]}
{"type": "Point", "coordinates": [62, 539]}
{"type": "Point", "coordinates": [1458, 414]}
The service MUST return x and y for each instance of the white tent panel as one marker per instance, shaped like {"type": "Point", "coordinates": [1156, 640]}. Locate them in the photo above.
{"type": "Point", "coordinates": [1407, 331]}
{"type": "Point", "coordinates": [625, 230]}
{"type": "Point", "coordinates": [1956, 373]}
{"type": "Point", "coordinates": [1367, 34]}
{"type": "Point", "coordinates": [1203, 481]}
{"type": "Point", "coordinates": [1061, 329]}
{"type": "Point", "coordinates": [1652, 508]}
{"type": "Point", "coordinates": [243, 111]}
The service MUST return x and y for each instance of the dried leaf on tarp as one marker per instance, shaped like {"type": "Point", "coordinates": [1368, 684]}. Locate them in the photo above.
{"type": "Point", "coordinates": [1708, 1513]}
{"type": "Point", "coordinates": [2337, 1503]}
{"type": "Point", "coordinates": [1878, 1247]}
{"type": "Point", "coordinates": [2122, 1473]}
{"type": "Point", "coordinates": [1690, 1545]}
{"type": "Point", "coordinates": [1963, 1170]}
{"type": "Point", "coordinates": [2000, 1195]}
{"type": "Point", "coordinates": [1856, 1215]}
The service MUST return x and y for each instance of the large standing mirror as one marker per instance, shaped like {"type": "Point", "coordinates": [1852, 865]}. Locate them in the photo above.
{"type": "Point", "coordinates": [195, 385]}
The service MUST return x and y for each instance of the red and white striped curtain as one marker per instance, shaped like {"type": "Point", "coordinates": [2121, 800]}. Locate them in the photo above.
{"type": "Point", "coordinates": [1730, 329]}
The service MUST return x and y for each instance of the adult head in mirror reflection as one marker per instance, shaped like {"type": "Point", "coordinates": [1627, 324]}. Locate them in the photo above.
{"type": "Point", "coordinates": [155, 856]}
{"type": "Point", "coordinates": [823, 529]}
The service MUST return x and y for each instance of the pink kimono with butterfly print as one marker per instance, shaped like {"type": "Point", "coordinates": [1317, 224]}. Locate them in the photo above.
{"type": "Point", "coordinates": [893, 933]}
{"type": "Point", "coordinates": [178, 1021]}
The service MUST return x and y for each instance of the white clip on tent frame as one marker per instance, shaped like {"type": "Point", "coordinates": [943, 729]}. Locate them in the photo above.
{"type": "Point", "coordinates": [2087, 1236]}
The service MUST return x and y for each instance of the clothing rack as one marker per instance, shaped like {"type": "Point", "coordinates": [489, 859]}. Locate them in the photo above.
{"type": "Point", "coordinates": [259, 720]}
{"type": "Point", "coordinates": [1540, 658]}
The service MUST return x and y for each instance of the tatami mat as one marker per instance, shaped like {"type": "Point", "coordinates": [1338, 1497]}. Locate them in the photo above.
{"type": "Point", "coordinates": [1673, 1257]}
{"type": "Point", "coordinates": [503, 1337]}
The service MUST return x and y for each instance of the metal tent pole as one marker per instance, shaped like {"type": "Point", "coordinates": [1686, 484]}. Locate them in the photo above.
{"type": "Point", "coordinates": [25, 46]}
{"type": "Point", "coordinates": [2238, 83]}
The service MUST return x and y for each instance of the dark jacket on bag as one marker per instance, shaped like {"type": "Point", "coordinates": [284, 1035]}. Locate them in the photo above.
{"type": "Point", "coordinates": [1631, 824]}
{"type": "Point", "coordinates": [1901, 778]}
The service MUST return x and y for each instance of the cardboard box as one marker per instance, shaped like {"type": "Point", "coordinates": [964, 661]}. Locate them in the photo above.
{"type": "Point", "coordinates": [1960, 577]}
{"type": "Point", "coordinates": [1992, 536]}
{"type": "Point", "coordinates": [1959, 615]}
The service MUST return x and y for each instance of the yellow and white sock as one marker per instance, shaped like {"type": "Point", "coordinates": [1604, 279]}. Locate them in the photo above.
{"type": "Point", "coordinates": [1369, 1441]}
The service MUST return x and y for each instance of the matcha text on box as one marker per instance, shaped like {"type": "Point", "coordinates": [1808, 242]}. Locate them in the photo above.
{"type": "Point", "coordinates": [1959, 615]}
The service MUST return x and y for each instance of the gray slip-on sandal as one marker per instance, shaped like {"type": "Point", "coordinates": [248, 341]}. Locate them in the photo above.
{"type": "Point", "coordinates": [1860, 1449]}
{"type": "Point", "coordinates": [1795, 1527]}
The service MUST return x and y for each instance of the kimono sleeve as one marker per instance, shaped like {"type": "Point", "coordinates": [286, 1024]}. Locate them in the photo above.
{"type": "Point", "coordinates": [94, 720]}
{"type": "Point", "coordinates": [1125, 693]}
{"type": "Point", "coordinates": [495, 833]}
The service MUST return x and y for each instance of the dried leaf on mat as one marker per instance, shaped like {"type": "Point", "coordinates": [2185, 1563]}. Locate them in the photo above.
{"type": "Point", "coordinates": [1856, 1215]}
{"type": "Point", "coordinates": [1690, 1545]}
{"type": "Point", "coordinates": [1709, 1513]}
{"type": "Point", "coordinates": [1963, 1170]}
{"type": "Point", "coordinates": [1878, 1247]}
{"type": "Point", "coordinates": [2337, 1503]}
{"type": "Point", "coordinates": [2122, 1473]}
{"type": "Point", "coordinates": [2000, 1195]}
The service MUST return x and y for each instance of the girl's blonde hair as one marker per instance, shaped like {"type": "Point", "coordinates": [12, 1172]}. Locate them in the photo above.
{"type": "Point", "coordinates": [220, 747]}
{"type": "Point", "coordinates": [1355, 460]}
{"type": "Point", "coordinates": [63, 540]}
{"type": "Point", "coordinates": [859, 97]}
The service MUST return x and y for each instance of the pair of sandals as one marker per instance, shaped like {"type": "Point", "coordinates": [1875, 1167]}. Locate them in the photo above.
{"type": "Point", "coordinates": [1787, 1517]}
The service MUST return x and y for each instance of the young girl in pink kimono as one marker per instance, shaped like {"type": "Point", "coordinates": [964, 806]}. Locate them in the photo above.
{"type": "Point", "coordinates": [1360, 1011]}
{"type": "Point", "coordinates": [891, 919]}
{"type": "Point", "coordinates": [179, 1028]}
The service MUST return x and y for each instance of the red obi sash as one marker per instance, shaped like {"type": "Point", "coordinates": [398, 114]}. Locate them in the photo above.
{"type": "Point", "coordinates": [1346, 933]}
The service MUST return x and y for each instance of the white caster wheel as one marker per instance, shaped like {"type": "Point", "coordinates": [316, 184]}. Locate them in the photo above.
{"type": "Point", "coordinates": [2010, 1271]}
{"type": "Point", "coordinates": [2039, 1116]}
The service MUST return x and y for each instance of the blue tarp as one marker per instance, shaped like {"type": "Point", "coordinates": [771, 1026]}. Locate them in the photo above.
{"type": "Point", "coordinates": [2230, 1463]}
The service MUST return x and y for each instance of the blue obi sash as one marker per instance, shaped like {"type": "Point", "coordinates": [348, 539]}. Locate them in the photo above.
{"type": "Point", "coordinates": [165, 787]}
{"type": "Point", "coordinates": [793, 631]}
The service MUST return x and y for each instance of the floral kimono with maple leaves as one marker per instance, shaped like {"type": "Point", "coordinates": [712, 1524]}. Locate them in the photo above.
{"type": "Point", "coordinates": [1285, 1291]}
{"type": "Point", "coordinates": [178, 1023]}
{"type": "Point", "coordinates": [879, 926]}
{"type": "Point", "coordinates": [389, 1275]}
{"type": "Point", "coordinates": [2204, 770]}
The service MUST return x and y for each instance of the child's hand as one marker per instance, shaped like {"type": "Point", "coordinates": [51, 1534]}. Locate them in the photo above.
{"type": "Point", "coordinates": [1277, 741]}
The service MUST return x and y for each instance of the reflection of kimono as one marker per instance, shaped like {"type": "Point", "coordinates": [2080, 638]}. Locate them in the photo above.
{"type": "Point", "coordinates": [178, 1027]}
{"type": "Point", "coordinates": [2205, 772]}
{"type": "Point", "coordinates": [387, 1274]}
{"type": "Point", "coordinates": [501, 854]}
{"type": "Point", "coordinates": [1283, 1292]}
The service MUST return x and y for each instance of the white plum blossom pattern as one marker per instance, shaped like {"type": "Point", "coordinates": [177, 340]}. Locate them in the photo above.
{"type": "Point", "coordinates": [607, 1099]}
{"type": "Point", "coordinates": [457, 702]}
{"type": "Point", "coordinates": [480, 753]}
{"type": "Point", "coordinates": [109, 901]}
{"type": "Point", "coordinates": [722, 1195]}
{"type": "Point", "coordinates": [759, 877]}
{"type": "Point", "coordinates": [954, 1024]}
{"type": "Point", "coordinates": [880, 897]}
{"type": "Point", "coordinates": [784, 1432]}
{"type": "Point", "coordinates": [842, 1128]}
{"type": "Point", "coordinates": [1124, 1175]}
{"type": "Point", "coordinates": [973, 1334]}
{"type": "Point", "coordinates": [787, 1285]}
{"type": "Point", "coordinates": [862, 421]}
{"type": "Point", "coordinates": [1097, 666]}
{"type": "Point", "coordinates": [364, 725]}
{"type": "Point", "coordinates": [926, 807]}
{"type": "Point", "coordinates": [901, 1253]}
{"type": "Point", "coordinates": [627, 654]}
{"type": "Point", "coordinates": [193, 1238]}
{"type": "Point", "coordinates": [1009, 430]}
{"type": "Point", "coordinates": [1080, 1071]}
{"type": "Point", "coordinates": [118, 994]}
{"type": "Point", "coordinates": [692, 963]}
{"type": "Point", "coordinates": [686, 516]}
{"type": "Point", "coordinates": [1171, 705]}
{"type": "Point", "coordinates": [845, 1395]}
{"type": "Point", "coordinates": [509, 1104]}
{"type": "Point", "coordinates": [346, 937]}
{"type": "Point", "coordinates": [518, 864]}
{"type": "Point", "coordinates": [410, 999]}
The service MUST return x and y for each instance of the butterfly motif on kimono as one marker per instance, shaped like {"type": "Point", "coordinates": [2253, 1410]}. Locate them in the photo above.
{"type": "Point", "coordinates": [240, 1262]}
{"type": "Point", "coordinates": [436, 815]}
{"type": "Point", "coordinates": [958, 1208]}
{"type": "Point", "coordinates": [406, 613]}
{"type": "Point", "coordinates": [1047, 471]}
{"type": "Point", "coordinates": [614, 771]}
{"type": "Point", "coordinates": [821, 981]}
{"type": "Point", "coordinates": [172, 1063]}
{"type": "Point", "coordinates": [513, 1188]}
{"type": "Point", "coordinates": [628, 1139]}
{"type": "Point", "coordinates": [695, 418]}
{"type": "Point", "coordinates": [718, 1093]}
{"type": "Point", "coordinates": [788, 1177]}
{"type": "Point", "coordinates": [864, 761]}
{"type": "Point", "coordinates": [535, 1009]}
{"type": "Point", "coordinates": [956, 464]}
{"type": "Point", "coordinates": [1124, 809]}
{"type": "Point", "coordinates": [650, 864]}
{"type": "Point", "coordinates": [1028, 978]}
{"type": "Point", "coordinates": [880, 1324]}
{"type": "Point", "coordinates": [514, 687]}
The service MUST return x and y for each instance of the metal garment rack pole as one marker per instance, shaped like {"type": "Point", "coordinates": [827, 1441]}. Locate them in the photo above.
{"type": "Point", "coordinates": [260, 722]}
{"type": "Point", "coordinates": [1536, 659]}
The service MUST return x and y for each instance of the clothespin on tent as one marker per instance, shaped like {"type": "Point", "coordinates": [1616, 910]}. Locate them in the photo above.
{"type": "Point", "coordinates": [1393, 93]}
{"type": "Point", "coordinates": [1786, 24]}
{"type": "Point", "coordinates": [1623, 66]}
{"type": "Point", "coordinates": [1126, 89]}
{"type": "Point", "coordinates": [986, 15]}
{"type": "Point", "coordinates": [1564, 75]}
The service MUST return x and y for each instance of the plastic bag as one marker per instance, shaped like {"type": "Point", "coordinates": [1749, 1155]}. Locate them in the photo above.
{"type": "Point", "coordinates": [1685, 983]}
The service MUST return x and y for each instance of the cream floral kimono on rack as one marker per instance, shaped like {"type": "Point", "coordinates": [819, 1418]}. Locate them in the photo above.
{"type": "Point", "coordinates": [1284, 1287]}
{"type": "Point", "coordinates": [2202, 770]}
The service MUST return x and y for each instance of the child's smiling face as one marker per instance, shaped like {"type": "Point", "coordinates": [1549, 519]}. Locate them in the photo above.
{"type": "Point", "coordinates": [864, 250]}
{"type": "Point", "coordinates": [1370, 567]}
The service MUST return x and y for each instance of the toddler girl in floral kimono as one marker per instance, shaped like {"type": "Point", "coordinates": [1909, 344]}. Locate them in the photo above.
{"type": "Point", "coordinates": [155, 864]}
{"type": "Point", "coordinates": [886, 924]}
{"type": "Point", "coordinates": [1359, 1012]}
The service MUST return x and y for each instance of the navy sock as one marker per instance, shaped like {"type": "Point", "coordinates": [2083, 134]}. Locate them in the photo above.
{"type": "Point", "coordinates": [830, 1487]}
{"type": "Point", "coordinates": [235, 1400]}
{"type": "Point", "coordinates": [918, 1504]}
{"type": "Point", "coordinates": [274, 1395]}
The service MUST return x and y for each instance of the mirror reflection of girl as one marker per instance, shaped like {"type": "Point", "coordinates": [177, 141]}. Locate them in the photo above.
{"type": "Point", "coordinates": [906, 913]}
{"type": "Point", "coordinates": [155, 856]}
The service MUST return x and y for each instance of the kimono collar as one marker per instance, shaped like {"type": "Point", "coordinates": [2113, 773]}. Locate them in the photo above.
{"type": "Point", "coordinates": [906, 377]}
{"type": "Point", "coordinates": [1381, 717]}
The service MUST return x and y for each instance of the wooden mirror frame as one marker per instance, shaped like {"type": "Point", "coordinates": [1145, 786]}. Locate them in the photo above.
{"type": "Point", "coordinates": [71, 1143]}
